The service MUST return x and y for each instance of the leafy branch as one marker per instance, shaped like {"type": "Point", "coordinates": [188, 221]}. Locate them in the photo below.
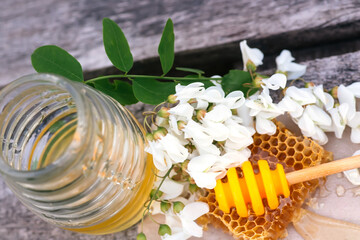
{"type": "Point", "coordinates": [145, 88]}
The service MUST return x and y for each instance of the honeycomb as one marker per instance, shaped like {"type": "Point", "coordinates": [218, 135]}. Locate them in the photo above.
{"type": "Point", "coordinates": [294, 153]}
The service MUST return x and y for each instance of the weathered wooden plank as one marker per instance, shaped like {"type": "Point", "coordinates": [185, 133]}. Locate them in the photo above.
{"type": "Point", "coordinates": [204, 27]}
{"type": "Point", "coordinates": [17, 222]}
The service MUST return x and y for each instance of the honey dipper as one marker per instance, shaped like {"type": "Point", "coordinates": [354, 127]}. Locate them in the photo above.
{"type": "Point", "coordinates": [239, 192]}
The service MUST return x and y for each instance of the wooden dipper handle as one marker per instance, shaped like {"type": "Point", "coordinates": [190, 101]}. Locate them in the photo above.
{"type": "Point", "coordinates": [323, 170]}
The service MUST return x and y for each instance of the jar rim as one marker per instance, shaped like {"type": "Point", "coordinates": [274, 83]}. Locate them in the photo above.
{"type": "Point", "coordinates": [63, 161]}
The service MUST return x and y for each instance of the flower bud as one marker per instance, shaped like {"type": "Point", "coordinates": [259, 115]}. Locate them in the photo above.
{"type": "Point", "coordinates": [184, 165]}
{"type": "Point", "coordinates": [141, 236]}
{"type": "Point", "coordinates": [190, 147]}
{"type": "Point", "coordinates": [159, 133]}
{"type": "Point", "coordinates": [164, 229]}
{"type": "Point", "coordinates": [163, 112]}
{"type": "Point", "coordinates": [181, 124]}
{"type": "Point", "coordinates": [149, 136]}
{"type": "Point", "coordinates": [283, 72]}
{"type": "Point", "coordinates": [309, 84]}
{"type": "Point", "coordinates": [172, 99]}
{"type": "Point", "coordinates": [200, 114]}
{"type": "Point", "coordinates": [178, 206]}
{"type": "Point", "coordinates": [193, 188]}
{"type": "Point", "coordinates": [192, 100]}
{"type": "Point", "coordinates": [334, 92]}
{"type": "Point", "coordinates": [250, 66]}
{"type": "Point", "coordinates": [165, 206]}
{"type": "Point", "coordinates": [257, 81]}
{"type": "Point", "coordinates": [158, 194]}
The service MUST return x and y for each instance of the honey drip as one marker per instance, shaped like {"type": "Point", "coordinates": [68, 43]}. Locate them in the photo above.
{"type": "Point", "coordinates": [312, 226]}
{"type": "Point", "coordinates": [293, 153]}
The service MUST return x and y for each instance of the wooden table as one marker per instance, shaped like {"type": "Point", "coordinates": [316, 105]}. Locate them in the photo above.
{"type": "Point", "coordinates": [324, 35]}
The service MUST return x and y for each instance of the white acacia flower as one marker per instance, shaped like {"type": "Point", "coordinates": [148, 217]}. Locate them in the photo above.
{"type": "Point", "coordinates": [262, 103]}
{"type": "Point", "coordinates": [234, 100]}
{"type": "Point", "coordinates": [166, 151]}
{"type": "Point", "coordinates": [233, 158]}
{"type": "Point", "coordinates": [239, 137]}
{"type": "Point", "coordinates": [275, 82]}
{"type": "Point", "coordinates": [354, 123]}
{"type": "Point", "coordinates": [355, 89]}
{"type": "Point", "coordinates": [161, 160]}
{"type": "Point", "coordinates": [309, 129]}
{"type": "Point", "coordinates": [213, 94]}
{"type": "Point", "coordinates": [339, 121]}
{"type": "Point", "coordinates": [183, 110]}
{"type": "Point", "coordinates": [170, 189]}
{"type": "Point", "coordinates": [172, 146]}
{"type": "Point", "coordinates": [303, 96]}
{"type": "Point", "coordinates": [189, 214]}
{"type": "Point", "coordinates": [284, 63]}
{"type": "Point", "coordinates": [287, 104]}
{"type": "Point", "coordinates": [244, 113]}
{"type": "Point", "coordinates": [219, 113]}
{"type": "Point", "coordinates": [318, 116]}
{"type": "Point", "coordinates": [265, 126]}
{"type": "Point", "coordinates": [353, 175]}
{"type": "Point", "coordinates": [185, 93]}
{"type": "Point", "coordinates": [197, 133]}
{"type": "Point", "coordinates": [199, 169]}
{"type": "Point", "coordinates": [252, 54]}
{"type": "Point", "coordinates": [207, 149]}
{"type": "Point", "coordinates": [325, 99]}
{"type": "Point", "coordinates": [346, 96]}
{"type": "Point", "coordinates": [183, 224]}
{"type": "Point", "coordinates": [217, 130]}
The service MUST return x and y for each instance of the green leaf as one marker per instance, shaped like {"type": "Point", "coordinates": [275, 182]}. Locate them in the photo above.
{"type": "Point", "coordinates": [207, 83]}
{"type": "Point", "coordinates": [116, 46]}
{"type": "Point", "coordinates": [166, 47]}
{"type": "Point", "coordinates": [238, 80]}
{"type": "Point", "coordinates": [53, 59]}
{"type": "Point", "coordinates": [121, 91]}
{"type": "Point", "coordinates": [151, 91]}
{"type": "Point", "coordinates": [192, 70]}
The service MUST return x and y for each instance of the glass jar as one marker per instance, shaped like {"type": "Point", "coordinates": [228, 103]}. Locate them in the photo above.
{"type": "Point", "coordinates": [72, 155]}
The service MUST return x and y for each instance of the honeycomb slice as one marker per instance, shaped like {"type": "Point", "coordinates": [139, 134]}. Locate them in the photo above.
{"type": "Point", "coordinates": [293, 153]}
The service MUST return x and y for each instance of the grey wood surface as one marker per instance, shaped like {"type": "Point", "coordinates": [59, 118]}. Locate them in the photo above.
{"type": "Point", "coordinates": [322, 34]}
{"type": "Point", "coordinates": [214, 25]}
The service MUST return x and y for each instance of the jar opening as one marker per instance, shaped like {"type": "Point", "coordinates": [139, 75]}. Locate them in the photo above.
{"type": "Point", "coordinates": [40, 115]}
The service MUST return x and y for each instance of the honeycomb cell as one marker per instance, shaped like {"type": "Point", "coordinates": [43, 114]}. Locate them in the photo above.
{"type": "Point", "coordinates": [307, 162]}
{"type": "Point", "coordinates": [298, 166]}
{"type": "Point", "coordinates": [290, 151]}
{"type": "Point", "coordinates": [274, 150]}
{"type": "Point", "coordinates": [290, 142]}
{"type": "Point", "coordinates": [273, 223]}
{"type": "Point", "coordinates": [260, 221]}
{"type": "Point", "coordinates": [265, 145]}
{"type": "Point", "coordinates": [290, 162]}
{"type": "Point", "coordinates": [299, 157]}
{"type": "Point", "coordinates": [282, 147]}
{"type": "Point", "coordinates": [274, 142]}
{"type": "Point", "coordinates": [299, 147]}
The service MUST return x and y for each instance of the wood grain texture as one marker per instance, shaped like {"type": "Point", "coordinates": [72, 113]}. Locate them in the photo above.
{"type": "Point", "coordinates": [214, 25]}
{"type": "Point", "coordinates": [16, 222]}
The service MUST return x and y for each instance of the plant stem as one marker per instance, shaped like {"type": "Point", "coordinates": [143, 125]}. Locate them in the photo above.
{"type": "Point", "coordinates": [148, 76]}
{"type": "Point", "coordinates": [156, 192]}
